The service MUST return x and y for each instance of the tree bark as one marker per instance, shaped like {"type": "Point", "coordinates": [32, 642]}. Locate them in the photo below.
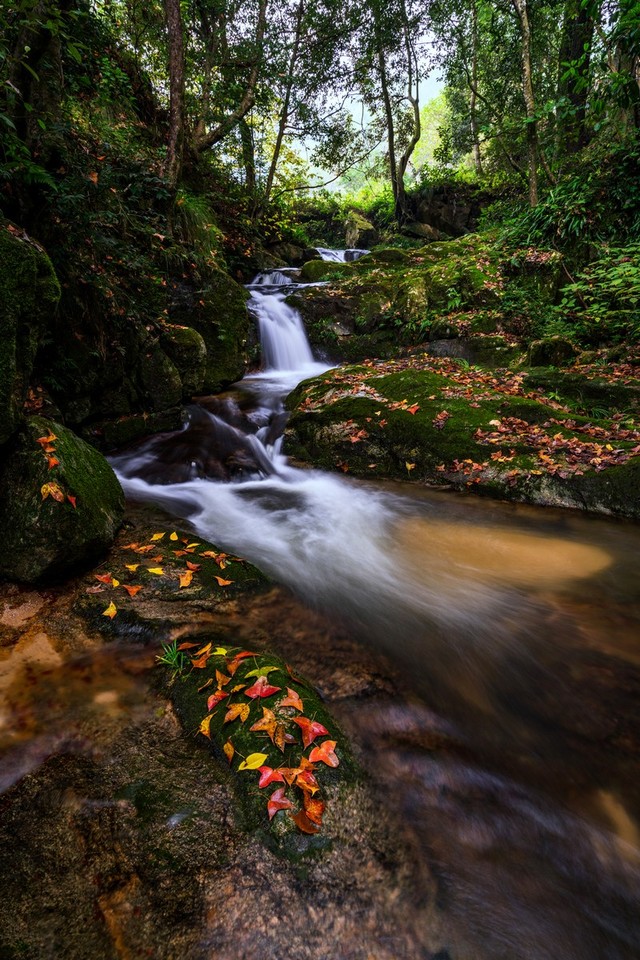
{"type": "Point", "coordinates": [175, 144]}
{"type": "Point", "coordinates": [575, 48]}
{"type": "Point", "coordinates": [475, 138]}
{"type": "Point", "coordinates": [522, 12]}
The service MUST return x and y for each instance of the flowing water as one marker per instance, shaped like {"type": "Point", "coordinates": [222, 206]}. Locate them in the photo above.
{"type": "Point", "coordinates": [515, 757]}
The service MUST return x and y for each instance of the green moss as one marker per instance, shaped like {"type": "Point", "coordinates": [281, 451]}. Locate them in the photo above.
{"type": "Point", "coordinates": [44, 538]}
{"type": "Point", "coordinates": [186, 348]}
{"type": "Point", "coordinates": [315, 270]}
{"type": "Point", "coordinates": [30, 293]}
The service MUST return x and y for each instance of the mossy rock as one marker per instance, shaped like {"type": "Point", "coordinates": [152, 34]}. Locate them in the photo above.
{"type": "Point", "coordinates": [261, 688]}
{"type": "Point", "coordinates": [160, 379]}
{"type": "Point", "coordinates": [218, 312]}
{"type": "Point", "coordinates": [112, 434]}
{"type": "Point", "coordinates": [360, 233]}
{"type": "Point", "coordinates": [433, 421]}
{"type": "Point", "coordinates": [187, 349]}
{"type": "Point", "coordinates": [46, 534]}
{"type": "Point", "coordinates": [551, 352]}
{"type": "Point", "coordinates": [30, 294]}
{"type": "Point", "coordinates": [316, 270]}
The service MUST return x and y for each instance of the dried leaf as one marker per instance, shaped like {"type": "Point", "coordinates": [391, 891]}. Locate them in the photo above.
{"type": "Point", "coordinates": [186, 578]}
{"type": "Point", "coordinates": [110, 611]}
{"type": "Point", "coordinates": [132, 566]}
{"type": "Point", "coordinates": [204, 727]}
{"type": "Point", "coordinates": [53, 462]}
{"type": "Point", "coordinates": [307, 782]}
{"type": "Point", "coordinates": [221, 679]}
{"type": "Point", "coordinates": [187, 645]}
{"type": "Point", "coordinates": [157, 570]}
{"type": "Point", "coordinates": [325, 753]}
{"type": "Point", "coordinates": [253, 762]}
{"type": "Point", "coordinates": [237, 711]}
{"type": "Point", "coordinates": [193, 566]}
{"type": "Point", "coordinates": [173, 536]}
{"type": "Point", "coordinates": [52, 490]}
{"type": "Point", "coordinates": [157, 536]}
{"type": "Point", "coordinates": [222, 582]}
{"type": "Point", "coordinates": [278, 801]}
{"type": "Point", "coordinates": [44, 441]}
{"type": "Point", "coordinates": [314, 808]}
{"type": "Point", "coordinates": [229, 750]}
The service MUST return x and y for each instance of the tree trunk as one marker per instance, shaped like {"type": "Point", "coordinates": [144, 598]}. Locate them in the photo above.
{"type": "Point", "coordinates": [248, 156]}
{"type": "Point", "coordinates": [522, 12]}
{"type": "Point", "coordinates": [175, 145]}
{"type": "Point", "coordinates": [475, 138]}
{"type": "Point", "coordinates": [575, 49]}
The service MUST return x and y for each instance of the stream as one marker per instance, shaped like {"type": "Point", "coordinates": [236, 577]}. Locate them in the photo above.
{"type": "Point", "coordinates": [512, 756]}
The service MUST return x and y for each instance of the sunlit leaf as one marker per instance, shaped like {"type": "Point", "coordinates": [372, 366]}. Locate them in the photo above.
{"type": "Point", "coordinates": [253, 762]}
{"type": "Point", "coordinates": [186, 578]}
{"type": "Point", "coordinates": [303, 823]}
{"type": "Point", "coordinates": [157, 570]}
{"type": "Point", "coordinates": [260, 671]}
{"type": "Point", "coordinates": [53, 462]}
{"type": "Point", "coordinates": [204, 727]}
{"type": "Point", "coordinates": [110, 611]}
{"type": "Point", "coordinates": [131, 589]}
{"type": "Point", "coordinates": [173, 536]}
{"type": "Point", "coordinates": [158, 536]}
{"type": "Point", "coordinates": [132, 566]}
{"type": "Point", "coordinates": [205, 649]}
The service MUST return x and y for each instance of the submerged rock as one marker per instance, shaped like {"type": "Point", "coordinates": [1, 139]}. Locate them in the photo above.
{"type": "Point", "coordinates": [61, 506]}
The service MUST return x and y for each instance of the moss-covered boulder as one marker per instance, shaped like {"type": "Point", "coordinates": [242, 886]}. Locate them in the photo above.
{"type": "Point", "coordinates": [160, 379]}
{"type": "Point", "coordinates": [360, 233]}
{"type": "Point", "coordinates": [441, 421]}
{"type": "Point", "coordinates": [30, 293]}
{"type": "Point", "coordinates": [218, 312]}
{"type": "Point", "coordinates": [551, 352]}
{"type": "Point", "coordinates": [187, 349]}
{"type": "Point", "coordinates": [61, 504]}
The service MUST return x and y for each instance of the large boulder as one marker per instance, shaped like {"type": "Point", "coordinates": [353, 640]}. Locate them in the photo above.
{"type": "Point", "coordinates": [61, 505]}
{"type": "Point", "coordinates": [30, 293]}
{"type": "Point", "coordinates": [360, 233]}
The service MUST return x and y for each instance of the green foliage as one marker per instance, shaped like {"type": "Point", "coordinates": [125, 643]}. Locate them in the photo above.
{"type": "Point", "coordinates": [173, 658]}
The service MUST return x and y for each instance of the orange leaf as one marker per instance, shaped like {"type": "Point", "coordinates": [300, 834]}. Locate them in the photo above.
{"type": "Point", "coordinates": [222, 582]}
{"type": "Point", "coordinates": [187, 646]}
{"type": "Point", "coordinates": [193, 566]}
{"type": "Point", "coordinates": [307, 782]}
{"type": "Point", "coordinates": [313, 808]}
{"type": "Point", "coordinates": [45, 441]}
{"type": "Point", "coordinates": [237, 710]}
{"type": "Point", "coordinates": [131, 590]}
{"type": "Point", "coordinates": [93, 177]}
{"type": "Point", "coordinates": [292, 700]}
{"type": "Point", "coordinates": [72, 500]}
{"type": "Point", "coordinates": [221, 679]}
{"type": "Point", "coordinates": [103, 577]}
{"type": "Point", "coordinates": [303, 823]}
{"type": "Point", "coordinates": [53, 462]}
{"type": "Point", "coordinates": [413, 409]}
{"type": "Point", "coordinates": [325, 754]}
{"type": "Point", "coordinates": [229, 750]}
{"type": "Point", "coordinates": [278, 801]}
{"type": "Point", "coordinates": [186, 578]}
{"type": "Point", "coordinates": [110, 611]}
{"type": "Point", "coordinates": [52, 490]}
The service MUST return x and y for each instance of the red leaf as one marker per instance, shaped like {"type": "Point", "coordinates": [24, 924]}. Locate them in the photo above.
{"type": "Point", "coordinates": [310, 730]}
{"type": "Point", "coordinates": [303, 823]}
{"type": "Point", "coordinates": [72, 500]}
{"type": "Point", "coordinates": [325, 754]}
{"type": "Point", "coordinates": [215, 699]}
{"type": "Point", "coordinates": [269, 775]}
{"type": "Point", "coordinates": [292, 700]}
{"type": "Point", "coordinates": [278, 801]}
{"type": "Point", "coordinates": [53, 462]}
{"type": "Point", "coordinates": [261, 688]}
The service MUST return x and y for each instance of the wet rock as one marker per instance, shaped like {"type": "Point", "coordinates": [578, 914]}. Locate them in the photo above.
{"type": "Point", "coordinates": [46, 535]}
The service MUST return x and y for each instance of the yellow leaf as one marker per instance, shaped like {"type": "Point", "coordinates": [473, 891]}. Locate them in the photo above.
{"type": "Point", "coordinates": [132, 566]}
{"type": "Point", "coordinates": [229, 750]}
{"type": "Point", "coordinates": [52, 490]}
{"type": "Point", "coordinates": [115, 583]}
{"type": "Point", "coordinates": [204, 649]}
{"type": "Point", "coordinates": [264, 671]}
{"type": "Point", "coordinates": [204, 726]}
{"type": "Point", "coordinates": [409, 466]}
{"type": "Point", "coordinates": [253, 761]}
{"type": "Point", "coordinates": [190, 546]}
{"type": "Point", "coordinates": [173, 536]}
{"type": "Point", "coordinates": [220, 652]}
{"type": "Point", "coordinates": [110, 611]}
{"type": "Point", "coordinates": [186, 578]}
{"type": "Point", "coordinates": [157, 536]}
{"type": "Point", "coordinates": [157, 570]}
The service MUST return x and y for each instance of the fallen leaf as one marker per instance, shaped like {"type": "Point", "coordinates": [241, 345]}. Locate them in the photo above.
{"type": "Point", "coordinates": [269, 775]}
{"type": "Point", "coordinates": [413, 408]}
{"type": "Point", "coordinates": [229, 750]}
{"type": "Point", "coordinates": [173, 536]}
{"type": "Point", "coordinates": [53, 462]}
{"type": "Point", "coordinates": [278, 801]}
{"type": "Point", "coordinates": [191, 546]}
{"type": "Point", "coordinates": [205, 649]}
{"type": "Point", "coordinates": [110, 611]}
{"type": "Point", "coordinates": [292, 700]}
{"type": "Point", "coordinates": [303, 823]}
{"type": "Point", "coordinates": [186, 578]}
{"type": "Point", "coordinates": [204, 727]}
{"type": "Point", "coordinates": [314, 808]}
{"type": "Point", "coordinates": [157, 536]}
{"type": "Point", "coordinates": [409, 466]}
{"type": "Point", "coordinates": [52, 490]}
{"type": "Point", "coordinates": [193, 566]}
{"type": "Point", "coordinates": [222, 582]}
{"type": "Point", "coordinates": [157, 570]}
{"type": "Point", "coordinates": [45, 441]}
{"type": "Point", "coordinates": [260, 671]}
{"type": "Point", "coordinates": [133, 567]}
{"type": "Point", "coordinates": [307, 782]}
{"type": "Point", "coordinates": [206, 684]}
{"type": "Point", "coordinates": [103, 577]}
{"type": "Point", "coordinates": [261, 688]}
{"type": "Point", "coordinates": [253, 762]}
{"type": "Point", "coordinates": [146, 549]}
{"type": "Point", "coordinates": [310, 730]}
{"type": "Point", "coordinates": [72, 500]}
{"type": "Point", "coordinates": [237, 711]}
{"type": "Point", "coordinates": [131, 590]}
{"type": "Point", "coordinates": [186, 645]}
{"type": "Point", "coordinates": [215, 699]}
{"type": "Point", "coordinates": [325, 753]}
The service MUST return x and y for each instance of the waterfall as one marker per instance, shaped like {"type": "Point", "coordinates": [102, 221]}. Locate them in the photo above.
{"type": "Point", "coordinates": [341, 256]}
